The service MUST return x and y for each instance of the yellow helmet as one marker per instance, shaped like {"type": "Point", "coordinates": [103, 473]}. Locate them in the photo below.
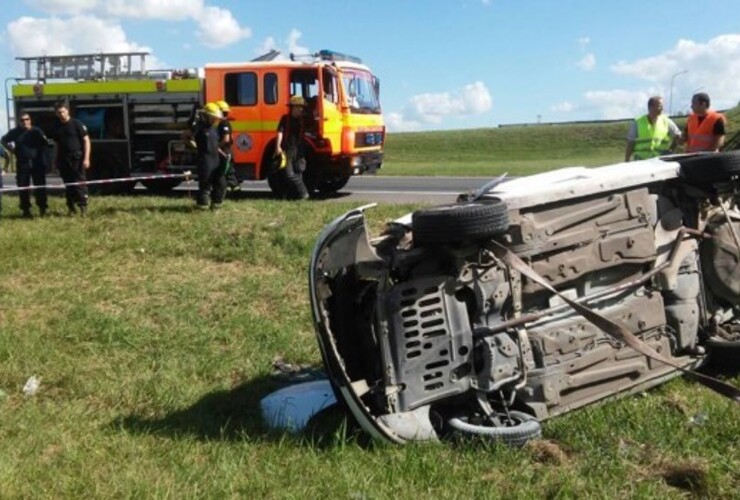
{"type": "Point", "coordinates": [212, 109]}
{"type": "Point", "coordinates": [224, 106]}
{"type": "Point", "coordinates": [297, 100]}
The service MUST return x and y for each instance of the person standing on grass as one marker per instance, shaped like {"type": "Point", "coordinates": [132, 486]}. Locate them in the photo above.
{"type": "Point", "coordinates": [28, 142]}
{"type": "Point", "coordinates": [291, 143]}
{"type": "Point", "coordinates": [225, 140]}
{"type": "Point", "coordinates": [5, 157]}
{"type": "Point", "coordinates": [72, 156]}
{"type": "Point", "coordinates": [705, 128]}
{"type": "Point", "coordinates": [211, 180]}
{"type": "Point", "coordinates": [653, 134]}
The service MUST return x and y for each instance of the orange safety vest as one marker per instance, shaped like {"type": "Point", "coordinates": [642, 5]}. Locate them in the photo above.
{"type": "Point", "coordinates": [701, 135]}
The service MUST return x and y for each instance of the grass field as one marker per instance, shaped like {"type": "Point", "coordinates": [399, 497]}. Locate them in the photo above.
{"type": "Point", "coordinates": [152, 328]}
{"type": "Point", "coordinates": [516, 150]}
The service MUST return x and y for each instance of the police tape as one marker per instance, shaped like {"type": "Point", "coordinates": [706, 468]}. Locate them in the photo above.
{"type": "Point", "coordinates": [184, 175]}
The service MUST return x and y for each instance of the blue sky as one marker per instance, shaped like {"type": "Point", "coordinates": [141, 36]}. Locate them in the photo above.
{"type": "Point", "coordinates": [443, 64]}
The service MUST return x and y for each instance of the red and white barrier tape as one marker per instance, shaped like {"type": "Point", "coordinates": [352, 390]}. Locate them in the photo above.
{"type": "Point", "coordinates": [185, 175]}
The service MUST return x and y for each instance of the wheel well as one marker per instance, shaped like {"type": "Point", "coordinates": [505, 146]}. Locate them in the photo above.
{"type": "Point", "coordinates": [267, 155]}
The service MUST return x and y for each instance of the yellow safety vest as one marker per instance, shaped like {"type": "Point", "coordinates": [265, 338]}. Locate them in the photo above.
{"type": "Point", "coordinates": [652, 139]}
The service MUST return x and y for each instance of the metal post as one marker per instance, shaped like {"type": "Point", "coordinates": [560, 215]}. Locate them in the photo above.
{"type": "Point", "coordinates": [670, 102]}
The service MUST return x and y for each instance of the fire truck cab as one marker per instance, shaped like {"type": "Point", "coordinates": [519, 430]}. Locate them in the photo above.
{"type": "Point", "coordinates": [136, 117]}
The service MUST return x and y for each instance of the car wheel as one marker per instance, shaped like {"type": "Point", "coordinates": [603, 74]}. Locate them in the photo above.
{"type": "Point", "coordinates": [521, 427]}
{"type": "Point", "coordinates": [714, 167]}
{"type": "Point", "coordinates": [332, 184]}
{"type": "Point", "coordinates": [724, 352]}
{"type": "Point", "coordinates": [459, 222]}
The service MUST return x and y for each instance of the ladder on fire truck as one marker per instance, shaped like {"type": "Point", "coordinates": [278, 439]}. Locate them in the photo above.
{"type": "Point", "coordinates": [79, 67]}
{"type": "Point", "coordinates": [100, 66]}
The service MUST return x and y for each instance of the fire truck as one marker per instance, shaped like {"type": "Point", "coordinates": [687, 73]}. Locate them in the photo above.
{"type": "Point", "coordinates": [136, 117]}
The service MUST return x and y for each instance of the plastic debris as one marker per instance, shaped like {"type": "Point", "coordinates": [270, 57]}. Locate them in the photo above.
{"type": "Point", "coordinates": [291, 407]}
{"type": "Point", "coordinates": [32, 386]}
{"type": "Point", "coordinates": [699, 419]}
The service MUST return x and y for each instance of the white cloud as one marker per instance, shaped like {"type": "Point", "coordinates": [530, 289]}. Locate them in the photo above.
{"type": "Point", "coordinates": [289, 46]}
{"type": "Point", "coordinates": [563, 107]}
{"type": "Point", "coordinates": [63, 6]}
{"type": "Point", "coordinates": [395, 122]}
{"type": "Point", "coordinates": [29, 36]}
{"type": "Point", "coordinates": [431, 108]}
{"type": "Point", "coordinates": [583, 42]}
{"type": "Point", "coordinates": [218, 27]}
{"type": "Point", "coordinates": [171, 10]}
{"type": "Point", "coordinates": [618, 104]}
{"type": "Point", "coordinates": [587, 63]}
{"type": "Point", "coordinates": [293, 45]}
{"type": "Point", "coordinates": [266, 46]}
{"type": "Point", "coordinates": [714, 65]}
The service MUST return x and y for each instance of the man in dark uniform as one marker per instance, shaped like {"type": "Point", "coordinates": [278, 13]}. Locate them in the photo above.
{"type": "Point", "coordinates": [225, 140]}
{"type": "Point", "coordinates": [72, 156]}
{"type": "Point", "coordinates": [211, 181]}
{"type": "Point", "coordinates": [5, 157]}
{"type": "Point", "coordinates": [28, 143]}
{"type": "Point", "coordinates": [290, 142]}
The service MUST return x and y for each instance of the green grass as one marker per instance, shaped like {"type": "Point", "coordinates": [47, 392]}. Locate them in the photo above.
{"type": "Point", "coordinates": [516, 150]}
{"type": "Point", "coordinates": [152, 328]}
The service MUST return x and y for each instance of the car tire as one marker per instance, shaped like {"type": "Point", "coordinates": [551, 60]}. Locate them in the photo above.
{"type": "Point", "coordinates": [708, 168]}
{"type": "Point", "coordinates": [459, 222]}
{"type": "Point", "coordinates": [525, 428]}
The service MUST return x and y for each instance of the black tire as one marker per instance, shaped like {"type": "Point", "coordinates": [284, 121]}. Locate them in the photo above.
{"type": "Point", "coordinates": [161, 186]}
{"type": "Point", "coordinates": [724, 354]}
{"type": "Point", "coordinates": [459, 222]}
{"type": "Point", "coordinates": [331, 184]}
{"type": "Point", "coordinates": [710, 167]}
{"type": "Point", "coordinates": [276, 184]}
{"type": "Point", "coordinates": [523, 427]}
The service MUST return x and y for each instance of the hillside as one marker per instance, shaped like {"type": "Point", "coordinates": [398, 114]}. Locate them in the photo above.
{"type": "Point", "coordinates": [516, 150]}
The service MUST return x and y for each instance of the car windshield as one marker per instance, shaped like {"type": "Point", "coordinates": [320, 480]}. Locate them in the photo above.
{"type": "Point", "coordinates": [361, 92]}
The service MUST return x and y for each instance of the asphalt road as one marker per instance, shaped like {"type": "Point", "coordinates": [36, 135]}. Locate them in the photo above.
{"type": "Point", "coordinates": [362, 189]}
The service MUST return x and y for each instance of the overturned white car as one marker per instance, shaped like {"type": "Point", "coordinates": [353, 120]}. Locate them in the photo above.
{"type": "Point", "coordinates": [531, 298]}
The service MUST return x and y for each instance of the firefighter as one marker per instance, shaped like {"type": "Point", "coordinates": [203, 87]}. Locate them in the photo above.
{"type": "Point", "coordinates": [72, 156]}
{"type": "Point", "coordinates": [5, 157]}
{"type": "Point", "coordinates": [291, 144]}
{"type": "Point", "coordinates": [28, 143]}
{"type": "Point", "coordinates": [211, 180]}
{"type": "Point", "coordinates": [225, 140]}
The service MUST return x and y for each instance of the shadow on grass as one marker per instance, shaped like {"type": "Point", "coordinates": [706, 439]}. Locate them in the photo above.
{"type": "Point", "coordinates": [235, 415]}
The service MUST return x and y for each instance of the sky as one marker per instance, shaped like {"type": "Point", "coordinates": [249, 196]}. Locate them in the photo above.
{"type": "Point", "coordinates": [443, 64]}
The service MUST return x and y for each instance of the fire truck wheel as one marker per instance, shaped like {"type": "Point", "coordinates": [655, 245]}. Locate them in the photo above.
{"type": "Point", "coordinates": [161, 186]}
{"type": "Point", "coordinates": [329, 185]}
{"type": "Point", "coordinates": [276, 184]}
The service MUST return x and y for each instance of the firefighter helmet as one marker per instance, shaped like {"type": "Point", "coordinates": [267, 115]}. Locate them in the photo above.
{"type": "Point", "coordinates": [297, 100]}
{"type": "Point", "coordinates": [224, 106]}
{"type": "Point", "coordinates": [212, 109]}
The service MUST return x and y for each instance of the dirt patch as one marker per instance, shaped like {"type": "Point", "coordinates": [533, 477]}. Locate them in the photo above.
{"type": "Point", "coordinates": [546, 451]}
{"type": "Point", "coordinates": [690, 475]}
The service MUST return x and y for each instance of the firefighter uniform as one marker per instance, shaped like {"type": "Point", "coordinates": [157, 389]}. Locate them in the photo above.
{"type": "Point", "coordinates": [211, 180]}
{"type": "Point", "coordinates": [225, 141]}
{"type": "Point", "coordinates": [69, 137]}
{"type": "Point", "coordinates": [293, 146]}
{"type": "Point", "coordinates": [28, 144]}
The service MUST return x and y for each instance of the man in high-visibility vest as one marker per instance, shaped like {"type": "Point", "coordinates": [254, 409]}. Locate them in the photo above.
{"type": "Point", "coordinates": [653, 134]}
{"type": "Point", "coordinates": [705, 128]}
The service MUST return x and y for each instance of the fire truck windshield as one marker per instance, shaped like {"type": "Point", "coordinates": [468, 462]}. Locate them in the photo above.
{"type": "Point", "coordinates": [361, 92]}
